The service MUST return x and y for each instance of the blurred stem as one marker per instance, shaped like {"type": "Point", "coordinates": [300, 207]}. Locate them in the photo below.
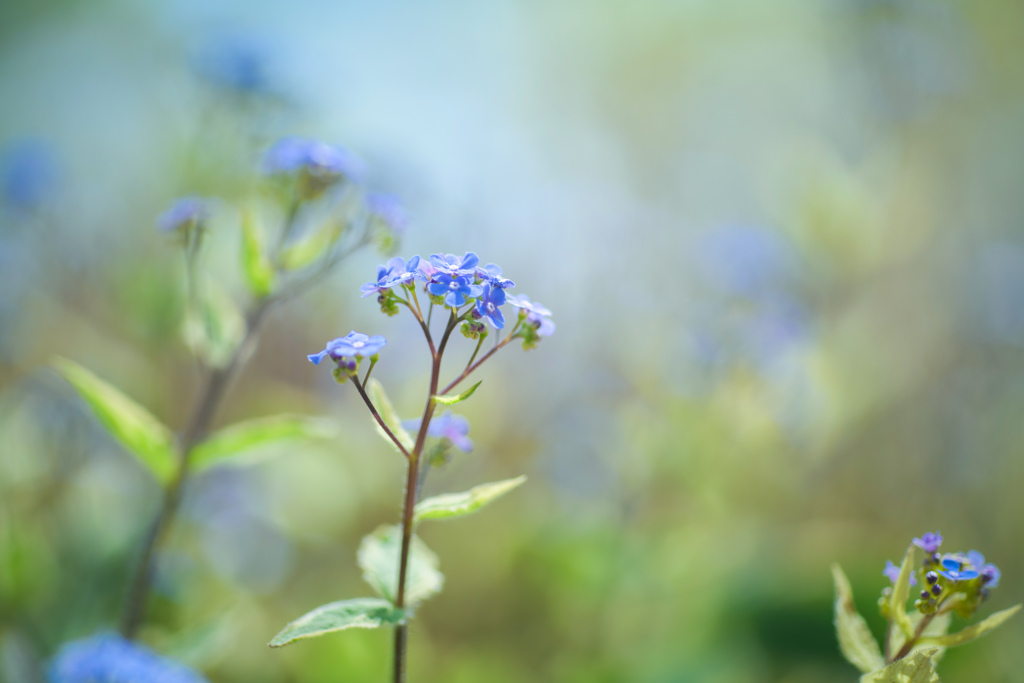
{"type": "Point", "coordinates": [409, 505]}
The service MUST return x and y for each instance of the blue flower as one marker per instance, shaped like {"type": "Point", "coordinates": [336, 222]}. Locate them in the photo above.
{"type": "Point", "coordinates": [395, 272]}
{"type": "Point", "coordinates": [492, 273]}
{"type": "Point", "coordinates": [28, 174]}
{"type": "Point", "coordinates": [449, 426]}
{"type": "Point", "coordinates": [989, 572]}
{"type": "Point", "coordinates": [455, 266]}
{"type": "Point", "coordinates": [109, 658]}
{"type": "Point", "coordinates": [351, 345]}
{"type": "Point", "coordinates": [487, 306]}
{"type": "Point", "coordinates": [929, 542]}
{"type": "Point", "coordinates": [892, 572]}
{"type": "Point", "coordinates": [455, 290]}
{"type": "Point", "coordinates": [183, 213]}
{"type": "Point", "coordinates": [536, 314]}
{"type": "Point", "coordinates": [957, 568]}
{"type": "Point", "coordinates": [320, 160]}
{"type": "Point", "coordinates": [388, 210]}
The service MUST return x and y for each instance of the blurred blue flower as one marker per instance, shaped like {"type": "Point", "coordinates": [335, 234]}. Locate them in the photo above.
{"type": "Point", "coordinates": [892, 572]}
{"type": "Point", "coordinates": [184, 212]}
{"type": "Point", "coordinates": [449, 426]}
{"type": "Point", "coordinates": [989, 572]}
{"type": "Point", "coordinates": [929, 542]}
{"type": "Point", "coordinates": [743, 260]}
{"type": "Point", "coordinates": [109, 658]}
{"type": "Point", "coordinates": [320, 160]}
{"type": "Point", "coordinates": [455, 290]}
{"type": "Point", "coordinates": [351, 345]}
{"type": "Point", "coordinates": [388, 210]}
{"type": "Point", "coordinates": [236, 63]}
{"type": "Point", "coordinates": [955, 568]}
{"type": "Point", "coordinates": [453, 265]}
{"type": "Point", "coordinates": [28, 174]}
{"type": "Point", "coordinates": [537, 314]}
{"type": "Point", "coordinates": [487, 305]}
{"type": "Point", "coordinates": [492, 273]}
{"type": "Point", "coordinates": [395, 272]}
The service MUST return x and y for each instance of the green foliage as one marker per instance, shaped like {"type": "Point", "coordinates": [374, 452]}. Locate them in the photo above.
{"type": "Point", "coordinates": [339, 616]}
{"type": "Point", "coordinates": [379, 555]}
{"type": "Point", "coordinates": [244, 442]}
{"type": "Point", "coordinates": [938, 626]}
{"type": "Point", "coordinates": [452, 399]}
{"type": "Point", "coordinates": [449, 505]}
{"type": "Point", "coordinates": [855, 639]}
{"type": "Point", "coordinates": [312, 246]}
{"type": "Point", "coordinates": [259, 273]}
{"type": "Point", "coordinates": [974, 630]}
{"type": "Point", "coordinates": [133, 426]}
{"type": "Point", "coordinates": [375, 390]}
{"type": "Point", "coordinates": [917, 667]}
{"type": "Point", "coordinates": [901, 592]}
{"type": "Point", "coordinates": [214, 329]}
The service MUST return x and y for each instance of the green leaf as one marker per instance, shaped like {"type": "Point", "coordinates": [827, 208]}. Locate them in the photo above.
{"type": "Point", "coordinates": [457, 504]}
{"type": "Point", "coordinates": [259, 273]}
{"type": "Point", "coordinates": [452, 399]}
{"type": "Point", "coordinates": [855, 639]}
{"type": "Point", "coordinates": [338, 616]}
{"type": "Point", "coordinates": [214, 331]}
{"type": "Point", "coordinates": [379, 555]}
{"type": "Point", "coordinates": [938, 626]}
{"type": "Point", "coordinates": [375, 390]}
{"type": "Point", "coordinates": [974, 630]}
{"type": "Point", "coordinates": [917, 667]}
{"type": "Point", "coordinates": [139, 432]}
{"type": "Point", "coordinates": [901, 591]}
{"type": "Point", "coordinates": [244, 442]}
{"type": "Point", "coordinates": [314, 245]}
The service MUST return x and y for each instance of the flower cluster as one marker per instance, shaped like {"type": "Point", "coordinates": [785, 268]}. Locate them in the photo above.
{"type": "Point", "coordinates": [347, 351]}
{"type": "Point", "coordinates": [943, 576]}
{"type": "Point", "coordinates": [314, 165]}
{"type": "Point", "coordinates": [183, 215]}
{"type": "Point", "coordinates": [112, 659]}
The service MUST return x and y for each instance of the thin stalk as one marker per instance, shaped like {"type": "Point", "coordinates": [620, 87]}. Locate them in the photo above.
{"type": "Point", "coordinates": [912, 641]}
{"type": "Point", "coordinates": [471, 367]}
{"type": "Point", "coordinates": [377, 417]}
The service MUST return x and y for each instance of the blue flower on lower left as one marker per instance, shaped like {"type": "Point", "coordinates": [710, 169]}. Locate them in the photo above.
{"type": "Point", "coordinates": [109, 658]}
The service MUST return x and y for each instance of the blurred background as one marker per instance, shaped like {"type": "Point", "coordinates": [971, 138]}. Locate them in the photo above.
{"type": "Point", "coordinates": [782, 242]}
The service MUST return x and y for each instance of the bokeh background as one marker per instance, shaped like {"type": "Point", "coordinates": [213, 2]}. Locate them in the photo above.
{"type": "Point", "coordinates": [782, 241]}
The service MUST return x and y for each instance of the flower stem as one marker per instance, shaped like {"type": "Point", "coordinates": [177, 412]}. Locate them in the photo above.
{"type": "Point", "coordinates": [377, 417]}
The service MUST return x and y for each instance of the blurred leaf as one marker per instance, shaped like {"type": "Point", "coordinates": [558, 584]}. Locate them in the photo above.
{"type": "Point", "coordinates": [314, 245]}
{"type": "Point", "coordinates": [457, 504]}
{"type": "Point", "coordinates": [901, 592]}
{"type": "Point", "coordinates": [241, 443]}
{"type": "Point", "coordinates": [338, 616]}
{"type": "Point", "coordinates": [452, 399]}
{"type": "Point", "coordinates": [143, 435]}
{"type": "Point", "coordinates": [917, 667]}
{"type": "Point", "coordinates": [937, 627]}
{"type": "Point", "coordinates": [215, 330]}
{"type": "Point", "coordinates": [975, 630]}
{"type": "Point", "coordinates": [259, 273]}
{"type": "Point", "coordinates": [375, 390]}
{"type": "Point", "coordinates": [379, 559]}
{"type": "Point", "coordinates": [855, 639]}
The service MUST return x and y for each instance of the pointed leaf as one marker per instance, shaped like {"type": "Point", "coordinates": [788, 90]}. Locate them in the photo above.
{"type": "Point", "coordinates": [259, 273]}
{"type": "Point", "coordinates": [855, 640]}
{"type": "Point", "coordinates": [338, 616]}
{"type": "Point", "coordinates": [245, 442]}
{"type": "Point", "coordinates": [917, 667]}
{"type": "Point", "coordinates": [901, 592]}
{"type": "Point", "coordinates": [379, 555]}
{"type": "Point", "coordinates": [974, 630]}
{"type": "Point", "coordinates": [375, 390]}
{"type": "Point", "coordinates": [452, 399]}
{"type": "Point", "coordinates": [456, 504]}
{"type": "Point", "coordinates": [314, 245]}
{"type": "Point", "coordinates": [133, 426]}
{"type": "Point", "coordinates": [214, 329]}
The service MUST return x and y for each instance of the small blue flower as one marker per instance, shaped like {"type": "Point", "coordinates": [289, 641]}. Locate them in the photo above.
{"type": "Point", "coordinates": [351, 345]}
{"type": "Point", "coordinates": [989, 572]}
{"type": "Point", "coordinates": [929, 542]}
{"type": "Point", "coordinates": [28, 174]}
{"type": "Point", "coordinates": [395, 272]}
{"type": "Point", "coordinates": [537, 314]}
{"type": "Point", "coordinates": [455, 266]}
{"type": "Point", "coordinates": [388, 210]}
{"type": "Point", "coordinates": [487, 306]}
{"type": "Point", "coordinates": [449, 426]}
{"type": "Point", "coordinates": [320, 160]}
{"type": "Point", "coordinates": [492, 273]}
{"type": "Point", "coordinates": [455, 290]}
{"type": "Point", "coordinates": [183, 213]}
{"type": "Point", "coordinates": [956, 568]}
{"type": "Point", "coordinates": [109, 658]}
{"type": "Point", "coordinates": [892, 572]}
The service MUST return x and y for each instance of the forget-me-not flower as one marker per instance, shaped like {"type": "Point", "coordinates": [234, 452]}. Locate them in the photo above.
{"type": "Point", "coordinates": [492, 273]}
{"type": "Point", "coordinates": [957, 568]}
{"type": "Point", "coordinates": [454, 265]}
{"type": "Point", "coordinates": [929, 542]}
{"type": "Point", "coordinates": [455, 290]}
{"type": "Point", "coordinates": [395, 272]}
{"type": "Point", "coordinates": [536, 314]}
{"type": "Point", "coordinates": [183, 213]}
{"type": "Point", "coordinates": [487, 305]}
{"type": "Point", "coordinates": [352, 345]}
{"type": "Point", "coordinates": [109, 658]}
{"type": "Point", "coordinates": [449, 426]}
{"type": "Point", "coordinates": [892, 572]}
{"type": "Point", "coordinates": [319, 159]}
{"type": "Point", "coordinates": [388, 210]}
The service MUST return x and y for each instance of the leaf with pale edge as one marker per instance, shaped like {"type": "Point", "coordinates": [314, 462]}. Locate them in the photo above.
{"type": "Point", "coordinates": [259, 273]}
{"type": "Point", "coordinates": [338, 616]}
{"type": "Point", "coordinates": [855, 639]}
{"type": "Point", "coordinates": [312, 246]}
{"type": "Point", "coordinates": [901, 592]}
{"type": "Point", "coordinates": [375, 390]}
{"type": "Point", "coordinates": [974, 630]}
{"type": "Point", "coordinates": [379, 555]}
{"type": "Point", "coordinates": [917, 667]}
{"type": "Point", "coordinates": [133, 426]}
{"type": "Point", "coordinates": [452, 399]}
{"type": "Point", "coordinates": [246, 442]}
{"type": "Point", "coordinates": [457, 504]}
